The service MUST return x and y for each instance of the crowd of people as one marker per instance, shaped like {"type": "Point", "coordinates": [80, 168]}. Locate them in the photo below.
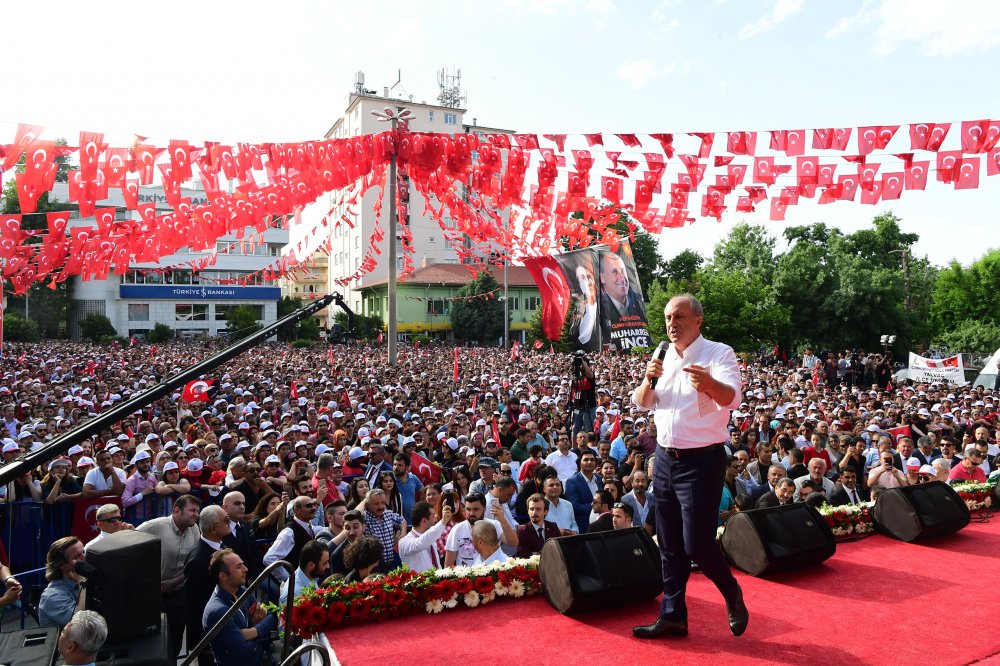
{"type": "Point", "coordinates": [345, 467]}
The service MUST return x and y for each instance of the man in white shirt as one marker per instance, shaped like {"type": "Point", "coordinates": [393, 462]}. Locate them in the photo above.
{"type": "Point", "coordinates": [109, 520]}
{"type": "Point", "coordinates": [314, 567]}
{"type": "Point", "coordinates": [458, 549]}
{"type": "Point", "coordinates": [105, 479]}
{"type": "Point", "coordinates": [498, 508]}
{"type": "Point", "coordinates": [562, 459]}
{"type": "Point", "coordinates": [417, 549]}
{"type": "Point", "coordinates": [692, 391]}
{"type": "Point", "coordinates": [288, 545]}
{"type": "Point", "coordinates": [487, 545]}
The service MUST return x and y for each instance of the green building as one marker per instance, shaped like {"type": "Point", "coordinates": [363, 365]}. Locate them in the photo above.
{"type": "Point", "coordinates": [423, 304]}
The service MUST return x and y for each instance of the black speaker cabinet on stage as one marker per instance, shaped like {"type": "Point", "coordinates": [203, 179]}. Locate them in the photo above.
{"type": "Point", "coordinates": [31, 647]}
{"type": "Point", "coordinates": [779, 538]}
{"type": "Point", "coordinates": [147, 651]}
{"type": "Point", "coordinates": [600, 570]}
{"type": "Point", "coordinates": [920, 512]}
{"type": "Point", "coordinates": [126, 587]}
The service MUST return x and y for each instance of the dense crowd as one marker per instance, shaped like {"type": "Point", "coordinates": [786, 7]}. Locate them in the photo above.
{"type": "Point", "coordinates": [346, 467]}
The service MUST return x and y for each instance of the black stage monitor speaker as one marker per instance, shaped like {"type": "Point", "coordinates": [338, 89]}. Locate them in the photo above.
{"type": "Point", "coordinates": [31, 647]}
{"type": "Point", "coordinates": [600, 570]}
{"type": "Point", "coordinates": [148, 651]}
{"type": "Point", "coordinates": [126, 587]}
{"type": "Point", "coordinates": [920, 512]}
{"type": "Point", "coordinates": [776, 539]}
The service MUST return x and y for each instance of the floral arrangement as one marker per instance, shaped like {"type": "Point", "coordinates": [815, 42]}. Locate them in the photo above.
{"type": "Point", "coordinates": [406, 592]}
{"type": "Point", "coordinates": [848, 519]}
{"type": "Point", "coordinates": [977, 496]}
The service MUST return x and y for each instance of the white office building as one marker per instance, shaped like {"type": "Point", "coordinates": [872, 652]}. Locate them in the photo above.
{"type": "Point", "coordinates": [192, 304]}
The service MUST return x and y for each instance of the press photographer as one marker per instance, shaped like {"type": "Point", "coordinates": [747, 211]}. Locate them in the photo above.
{"type": "Point", "coordinates": [583, 394]}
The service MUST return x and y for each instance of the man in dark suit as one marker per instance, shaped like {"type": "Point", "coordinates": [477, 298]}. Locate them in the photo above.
{"type": "Point", "coordinates": [533, 535]}
{"type": "Point", "coordinates": [781, 495]}
{"type": "Point", "coordinates": [926, 452]}
{"type": "Point", "coordinates": [580, 489]}
{"type": "Point", "coordinates": [602, 507]}
{"type": "Point", "coordinates": [849, 492]}
{"type": "Point", "coordinates": [239, 538]}
{"type": "Point", "coordinates": [198, 583]}
{"type": "Point", "coordinates": [775, 473]}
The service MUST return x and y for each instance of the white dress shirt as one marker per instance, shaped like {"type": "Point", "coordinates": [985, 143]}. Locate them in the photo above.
{"type": "Point", "coordinates": [418, 551]}
{"type": "Point", "coordinates": [562, 515]}
{"type": "Point", "coordinates": [686, 419]}
{"type": "Point", "coordinates": [565, 464]}
{"type": "Point", "coordinates": [497, 556]}
{"type": "Point", "coordinates": [282, 546]}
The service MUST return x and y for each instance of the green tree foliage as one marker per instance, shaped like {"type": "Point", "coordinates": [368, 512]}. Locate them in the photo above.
{"type": "Point", "coordinates": [19, 329]}
{"type": "Point", "coordinates": [972, 336]}
{"type": "Point", "coordinates": [286, 306]}
{"type": "Point", "coordinates": [366, 327]}
{"type": "Point", "coordinates": [96, 326]}
{"type": "Point", "coordinates": [535, 329]}
{"type": "Point", "coordinates": [682, 267]}
{"type": "Point", "coordinates": [748, 248]}
{"type": "Point", "coordinates": [160, 333]}
{"type": "Point", "coordinates": [479, 320]}
{"type": "Point", "coordinates": [241, 322]}
{"type": "Point", "coordinates": [967, 293]}
{"type": "Point", "coordinates": [309, 329]}
{"type": "Point", "coordinates": [567, 341]}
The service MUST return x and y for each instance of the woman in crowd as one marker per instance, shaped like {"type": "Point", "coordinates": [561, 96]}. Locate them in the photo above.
{"type": "Point", "coordinates": [172, 485]}
{"type": "Point", "coordinates": [58, 485]}
{"type": "Point", "coordinates": [461, 480]}
{"type": "Point", "coordinates": [268, 517]}
{"type": "Point", "coordinates": [356, 495]}
{"type": "Point", "coordinates": [394, 500]}
{"type": "Point", "coordinates": [457, 516]}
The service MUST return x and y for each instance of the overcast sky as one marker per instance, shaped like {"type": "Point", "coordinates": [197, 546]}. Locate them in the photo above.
{"type": "Point", "coordinates": [266, 71]}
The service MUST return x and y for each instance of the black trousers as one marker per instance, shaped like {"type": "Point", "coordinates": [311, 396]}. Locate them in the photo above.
{"type": "Point", "coordinates": [175, 606]}
{"type": "Point", "coordinates": [688, 492]}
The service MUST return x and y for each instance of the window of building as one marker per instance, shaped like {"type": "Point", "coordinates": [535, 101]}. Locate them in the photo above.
{"type": "Point", "coordinates": [450, 118]}
{"type": "Point", "coordinates": [138, 311]}
{"type": "Point", "coordinates": [222, 311]}
{"type": "Point", "coordinates": [439, 307]}
{"type": "Point", "coordinates": [532, 303]}
{"type": "Point", "coordinates": [190, 312]}
{"type": "Point", "coordinates": [514, 303]}
{"type": "Point", "coordinates": [430, 116]}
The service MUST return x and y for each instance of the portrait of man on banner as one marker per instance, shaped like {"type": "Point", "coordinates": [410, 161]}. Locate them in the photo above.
{"type": "Point", "coordinates": [580, 269]}
{"type": "Point", "coordinates": [623, 314]}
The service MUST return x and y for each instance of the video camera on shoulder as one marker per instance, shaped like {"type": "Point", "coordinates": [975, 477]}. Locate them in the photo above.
{"type": "Point", "coordinates": [579, 358]}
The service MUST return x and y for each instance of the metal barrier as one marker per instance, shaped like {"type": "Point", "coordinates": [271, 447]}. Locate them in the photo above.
{"type": "Point", "coordinates": [193, 654]}
{"type": "Point", "coordinates": [300, 652]}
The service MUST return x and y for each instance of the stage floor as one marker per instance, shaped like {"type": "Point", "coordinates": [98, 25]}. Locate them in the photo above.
{"type": "Point", "coordinates": [876, 601]}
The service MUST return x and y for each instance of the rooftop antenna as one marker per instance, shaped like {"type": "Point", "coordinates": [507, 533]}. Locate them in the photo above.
{"type": "Point", "coordinates": [359, 83]}
{"type": "Point", "coordinates": [451, 95]}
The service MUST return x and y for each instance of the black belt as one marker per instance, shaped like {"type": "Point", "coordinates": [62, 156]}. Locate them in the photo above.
{"type": "Point", "coordinates": [680, 453]}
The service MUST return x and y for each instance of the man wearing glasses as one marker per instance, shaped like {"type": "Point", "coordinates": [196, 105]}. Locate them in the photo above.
{"type": "Point", "coordinates": [109, 520]}
{"type": "Point", "coordinates": [292, 538]}
{"type": "Point", "coordinates": [969, 469]}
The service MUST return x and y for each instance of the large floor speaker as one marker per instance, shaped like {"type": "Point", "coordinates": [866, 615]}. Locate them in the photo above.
{"type": "Point", "coordinates": [919, 512]}
{"type": "Point", "coordinates": [600, 570]}
{"type": "Point", "coordinates": [776, 539]}
{"type": "Point", "coordinates": [147, 651]}
{"type": "Point", "coordinates": [31, 647]}
{"type": "Point", "coordinates": [126, 587]}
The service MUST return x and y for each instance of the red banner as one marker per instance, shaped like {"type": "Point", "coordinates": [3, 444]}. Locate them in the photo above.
{"type": "Point", "coordinates": [554, 290]}
{"type": "Point", "coordinates": [426, 471]}
{"type": "Point", "coordinates": [85, 516]}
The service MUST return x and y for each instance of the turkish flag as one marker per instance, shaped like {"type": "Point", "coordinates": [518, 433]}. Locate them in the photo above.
{"type": "Point", "coordinates": [513, 352]}
{"type": "Point", "coordinates": [538, 344]}
{"type": "Point", "coordinates": [425, 470]}
{"type": "Point", "coordinates": [554, 290]}
{"type": "Point", "coordinates": [496, 429]}
{"type": "Point", "coordinates": [85, 515]}
{"type": "Point", "coordinates": [616, 428]}
{"type": "Point", "coordinates": [197, 390]}
{"type": "Point", "coordinates": [901, 431]}
{"type": "Point", "coordinates": [928, 136]}
{"type": "Point", "coordinates": [293, 390]}
{"type": "Point", "coordinates": [454, 376]}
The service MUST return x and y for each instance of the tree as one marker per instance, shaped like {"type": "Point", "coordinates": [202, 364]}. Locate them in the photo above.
{"type": "Point", "coordinates": [286, 306]}
{"type": "Point", "coordinates": [535, 329]}
{"type": "Point", "coordinates": [96, 326]}
{"type": "Point", "coordinates": [241, 322]}
{"type": "Point", "coordinates": [479, 320]}
{"type": "Point", "coordinates": [682, 267]}
{"type": "Point", "coordinates": [567, 342]}
{"type": "Point", "coordinates": [19, 329]}
{"type": "Point", "coordinates": [963, 293]}
{"type": "Point", "coordinates": [366, 327]}
{"type": "Point", "coordinates": [741, 310]}
{"type": "Point", "coordinates": [748, 248]}
{"type": "Point", "coordinates": [160, 333]}
{"type": "Point", "coordinates": [308, 329]}
{"type": "Point", "coordinates": [48, 307]}
{"type": "Point", "coordinates": [972, 336]}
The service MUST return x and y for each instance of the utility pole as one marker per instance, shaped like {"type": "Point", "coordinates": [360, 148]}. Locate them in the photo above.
{"type": "Point", "coordinates": [906, 278]}
{"type": "Point", "coordinates": [393, 116]}
{"type": "Point", "coordinates": [506, 296]}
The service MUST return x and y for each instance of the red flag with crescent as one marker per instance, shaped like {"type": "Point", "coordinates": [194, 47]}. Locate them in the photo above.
{"type": "Point", "coordinates": [197, 390]}
{"type": "Point", "coordinates": [554, 290]}
{"type": "Point", "coordinates": [424, 469]}
{"type": "Point", "coordinates": [85, 515]}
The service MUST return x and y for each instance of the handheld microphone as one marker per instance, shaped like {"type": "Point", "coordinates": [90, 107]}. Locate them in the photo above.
{"type": "Point", "coordinates": [659, 354]}
{"type": "Point", "coordinates": [84, 569]}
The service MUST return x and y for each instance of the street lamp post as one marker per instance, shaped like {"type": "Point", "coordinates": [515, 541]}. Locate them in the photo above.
{"type": "Point", "coordinates": [393, 116]}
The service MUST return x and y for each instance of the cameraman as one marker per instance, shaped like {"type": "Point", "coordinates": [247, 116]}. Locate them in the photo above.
{"type": "Point", "coordinates": [583, 394]}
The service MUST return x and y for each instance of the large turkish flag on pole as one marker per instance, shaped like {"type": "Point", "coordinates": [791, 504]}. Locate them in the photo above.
{"type": "Point", "coordinates": [555, 292]}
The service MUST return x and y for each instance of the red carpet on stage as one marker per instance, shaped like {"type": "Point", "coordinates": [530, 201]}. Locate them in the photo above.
{"type": "Point", "coordinates": [877, 601]}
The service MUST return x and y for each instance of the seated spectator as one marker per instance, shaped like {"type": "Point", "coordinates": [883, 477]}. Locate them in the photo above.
{"type": "Point", "coordinates": [533, 535]}
{"type": "Point", "coordinates": [783, 493]}
{"type": "Point", "coordinates": [362, 558]}
{"type": "Point", "coordinates": [622, 516]}
{"type": "Point", "coordinates": [82, 637]}
{"type": "Point", "coordinates": [969, 468]}
{"type": "Point", "coordinates": [487, 544]}
{"type": "Point", "coordinates": [816, 472]}
{"type": "Point", "coordinates": [314, 566]}
{"type": "Point", "coordinates": [244, 639]}
{"type": "Point", "coordinates": [59, 485]}
{"type": "Point", "coordinates": [64, 594]}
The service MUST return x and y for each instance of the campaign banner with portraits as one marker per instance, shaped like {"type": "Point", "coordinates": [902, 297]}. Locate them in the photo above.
{"type": "Point", "coordinates": [604, 285]}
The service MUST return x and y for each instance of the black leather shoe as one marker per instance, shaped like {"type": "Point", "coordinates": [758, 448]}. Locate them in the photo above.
{"type": "Point", "coordinates": [739, 616]}
{"type": "Point", "coordinates": [662, 627]}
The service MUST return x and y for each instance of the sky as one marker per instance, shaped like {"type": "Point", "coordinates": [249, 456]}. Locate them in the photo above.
{"type": "Point", "coordinates": [264, 71]}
